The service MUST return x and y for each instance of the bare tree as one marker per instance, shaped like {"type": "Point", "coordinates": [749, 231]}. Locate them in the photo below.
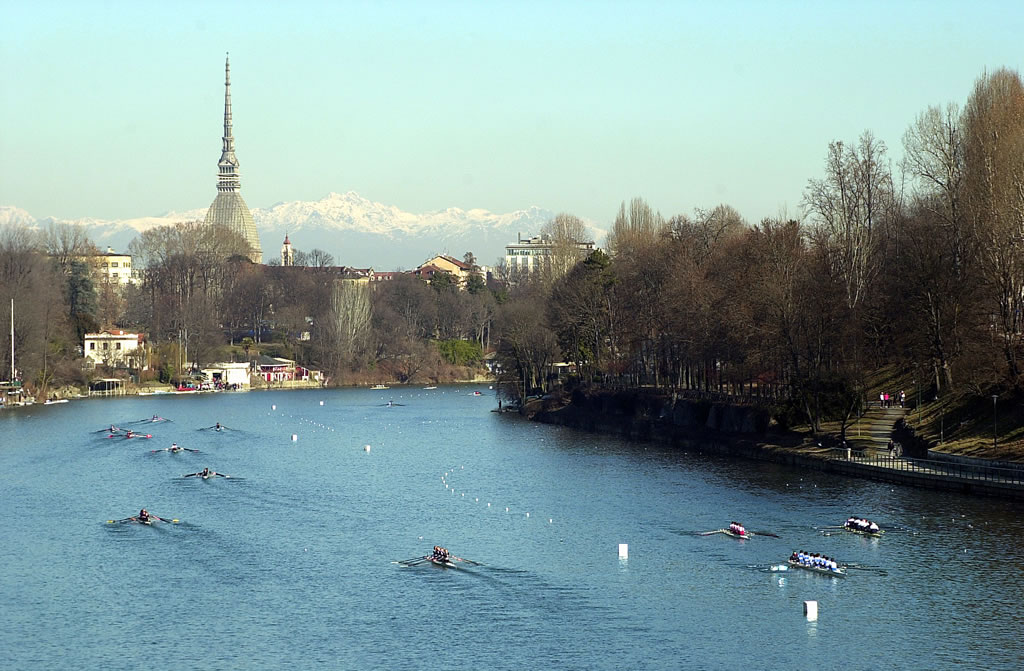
{"type": "Point", "coordinates": [993, 125]}
{"type": "Point", "coordinates": [850, 205]}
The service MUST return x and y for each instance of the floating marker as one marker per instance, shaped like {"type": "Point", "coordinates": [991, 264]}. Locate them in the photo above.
{"type": "Point", "coordinates": [321, 402]}
{"type": "Point", "coordinates": [811, 610]}
{"type": "Point", "coordinates": [527, 514]}
{"type": "Point", "coordinates": [488, 505]}
{"type": "Point", "coordinates": [623, 550]}
{"type": "Point", "coordinates": [294, 437]}
{"type": "Point", "coordinates": [477, 500]}
{"type": "Point", "coordinates": [506, 509]}
{"type": "Point", "coordinates": [273, 407]}
{"type": "Point", "coordinates": [550, 520]}
{"type": "Point", "coordinates": [366, 448]}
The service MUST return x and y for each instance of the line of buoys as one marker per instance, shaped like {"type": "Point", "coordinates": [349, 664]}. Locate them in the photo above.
{"type": "Point", "coordinates": [476, 499]}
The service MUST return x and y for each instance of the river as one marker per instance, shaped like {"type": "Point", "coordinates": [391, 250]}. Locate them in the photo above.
{"type": "Point", "coordinates": [288, 564]}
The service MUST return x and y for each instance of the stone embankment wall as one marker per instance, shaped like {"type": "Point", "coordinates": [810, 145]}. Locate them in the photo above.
{"type": "Point", "coordinates": [734, 430]}
{"type": "Point", "coordinates": [655, 417]}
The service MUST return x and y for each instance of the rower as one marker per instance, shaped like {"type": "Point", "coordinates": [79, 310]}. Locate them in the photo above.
{"type": "Point", "coordinates": [143, 515]}
{"type": "Point", "coordinates": [206, 472]}
{"type": "Point", "coordinates": [174, 448]}
{"type": "Point", "coordinates": [217, 427]}
{"type": "Point", "coordinates": [873, 528]}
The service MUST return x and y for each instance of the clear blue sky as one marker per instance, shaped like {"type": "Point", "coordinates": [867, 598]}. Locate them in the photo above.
{"type": "Point", "coordinates": [114, 110]}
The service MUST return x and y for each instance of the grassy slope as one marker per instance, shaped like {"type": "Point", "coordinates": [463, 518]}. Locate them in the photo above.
{"type": "Point", "coordinates": [954, 423]}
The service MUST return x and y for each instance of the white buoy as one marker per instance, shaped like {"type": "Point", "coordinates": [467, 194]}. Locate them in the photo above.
{"type": "Point", "coordinates": [273, 407]}
{"type": "Point", "coordinates": [294, 437]}
{"type": "Point", "coordinates": [811, 610]}
{"type": "Point", "coordinates": [506, 509]}
{"type": "Point", "coordinates": [321, 402]}
{"type": "Point", "coordinates": [527, 514]}
{"type": "Point", "coordinates": [623, 550]}
{"type": "Point", "coordinates": [488, 505]}
{"type": "Point", "coordinates": [550, 521]}
{"type": "Point", "coordinates": [366, 448]}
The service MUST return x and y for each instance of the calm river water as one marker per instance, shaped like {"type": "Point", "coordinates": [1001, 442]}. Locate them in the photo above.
{"type": "Point", "coordinates": [289, 564]}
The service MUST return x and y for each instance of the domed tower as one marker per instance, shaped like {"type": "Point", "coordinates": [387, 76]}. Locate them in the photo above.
{"type": "Point", "coordinates": [228, 208]}
{"type": "Point", "coordinates": [287, 255]}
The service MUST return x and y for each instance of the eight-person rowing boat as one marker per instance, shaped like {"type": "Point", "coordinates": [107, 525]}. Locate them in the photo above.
{"type": "Point", "coordinates": [812, 561]}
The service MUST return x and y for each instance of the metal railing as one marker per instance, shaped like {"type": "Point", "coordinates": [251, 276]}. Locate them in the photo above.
{"type": "Point", "coordinates": [994, 474]}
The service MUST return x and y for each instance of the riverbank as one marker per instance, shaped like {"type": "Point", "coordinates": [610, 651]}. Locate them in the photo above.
{"type": "Point", "coordinates": [745, 431]}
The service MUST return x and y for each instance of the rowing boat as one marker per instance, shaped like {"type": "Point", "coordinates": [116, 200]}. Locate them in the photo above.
{"type": "Point", "coordinates": [816, 569]}
{"type": "Point", "coordinates": [729, 532]}
{"type": "Point", "coordinates": [443, 563]}
{"type": "Point", "coordinates": [876, 534]}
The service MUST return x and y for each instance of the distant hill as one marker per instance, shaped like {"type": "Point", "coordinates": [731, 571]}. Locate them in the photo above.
{"type": "Point", "coordinates": [357, 231]}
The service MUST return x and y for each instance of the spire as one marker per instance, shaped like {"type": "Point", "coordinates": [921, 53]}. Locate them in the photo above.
{"type": "Point", "coordinates": [227, 174]}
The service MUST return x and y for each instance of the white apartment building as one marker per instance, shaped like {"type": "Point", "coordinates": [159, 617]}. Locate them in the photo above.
{"type": "Point", "coordinates": [118, 349]}
{"type": "Point", "coordinates": [529, 255]}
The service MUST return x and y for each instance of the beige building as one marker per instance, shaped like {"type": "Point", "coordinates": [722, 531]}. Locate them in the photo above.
{"type": "Point", "coordinates": [113, 268]}
{"type": "Point", "coordinates": [117, 349]}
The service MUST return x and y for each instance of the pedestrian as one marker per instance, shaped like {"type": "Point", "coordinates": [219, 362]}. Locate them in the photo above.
{"type": "Point", "coordinates": [887, 399]}
{"type": "Point", "coordinates": [892, 448]}
{"type": "Point", "coordinates": [881, 399]}
{"type": "Point", "coordinates": [903, 398]}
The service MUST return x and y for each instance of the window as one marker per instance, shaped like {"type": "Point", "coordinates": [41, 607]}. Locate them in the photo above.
{"type": "Point", "coordinates": [118, 345]}
{"type": "Point", "coordinates": [92, 345]}
{"type": "Point", "coordinates": [106, 345]}
{"type": "Point", "coordinates": [113, 264]}
{"type": "Point", "coordinates": [113, 274]}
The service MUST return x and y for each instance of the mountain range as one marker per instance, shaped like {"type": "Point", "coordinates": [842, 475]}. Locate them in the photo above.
{"type": "Point", "coordinates": [356, 231]}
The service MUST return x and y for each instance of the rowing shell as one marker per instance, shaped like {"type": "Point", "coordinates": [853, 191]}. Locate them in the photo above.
{"type": "Point", "coordinates": [824, 571]}
{"type": "Point", "coordinates": [444, 563]}
{"type": "Point", "coordinates": [876, 534]}
{"type": "Point", "coordinates": [729, 532]}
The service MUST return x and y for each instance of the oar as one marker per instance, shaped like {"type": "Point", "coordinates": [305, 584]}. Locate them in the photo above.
{"type": "Point", "coordinates": [712, 533]}
{"type": "Point", "coordinates": [189, 475]}
{"type": "Point", "coordinates": [414, 561]}
{"type": "Point", "coordinates": [222, 475]}
{"type": "Point", "coordinates": [127, 519]}
{"type": "Point", "coordinates": [164, 519]}
{"type": "Point", "coordinates": [764, 533]}
{"type": "Point", "coordinates": [468, 561]}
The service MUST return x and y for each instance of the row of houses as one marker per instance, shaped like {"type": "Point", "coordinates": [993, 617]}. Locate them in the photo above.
{"type": "Point", "coordinates": [125, 350]}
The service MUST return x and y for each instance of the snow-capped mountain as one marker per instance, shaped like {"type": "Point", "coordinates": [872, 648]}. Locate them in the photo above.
{"type": "Point", "coordinates": [357, 231]}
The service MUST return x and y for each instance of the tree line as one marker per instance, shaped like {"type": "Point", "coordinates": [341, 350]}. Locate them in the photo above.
{"type": "Point", "coordinates": [199, 299]}
{"type": "Point", "coordinates": [919, 264]}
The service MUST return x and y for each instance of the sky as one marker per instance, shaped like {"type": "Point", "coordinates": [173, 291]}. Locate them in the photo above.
{"type": "Point", "coordinates": [114, 110]}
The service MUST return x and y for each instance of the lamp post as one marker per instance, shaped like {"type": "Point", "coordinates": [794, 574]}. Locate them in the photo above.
{"type": "Point", "coordinates": [995, 429]}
